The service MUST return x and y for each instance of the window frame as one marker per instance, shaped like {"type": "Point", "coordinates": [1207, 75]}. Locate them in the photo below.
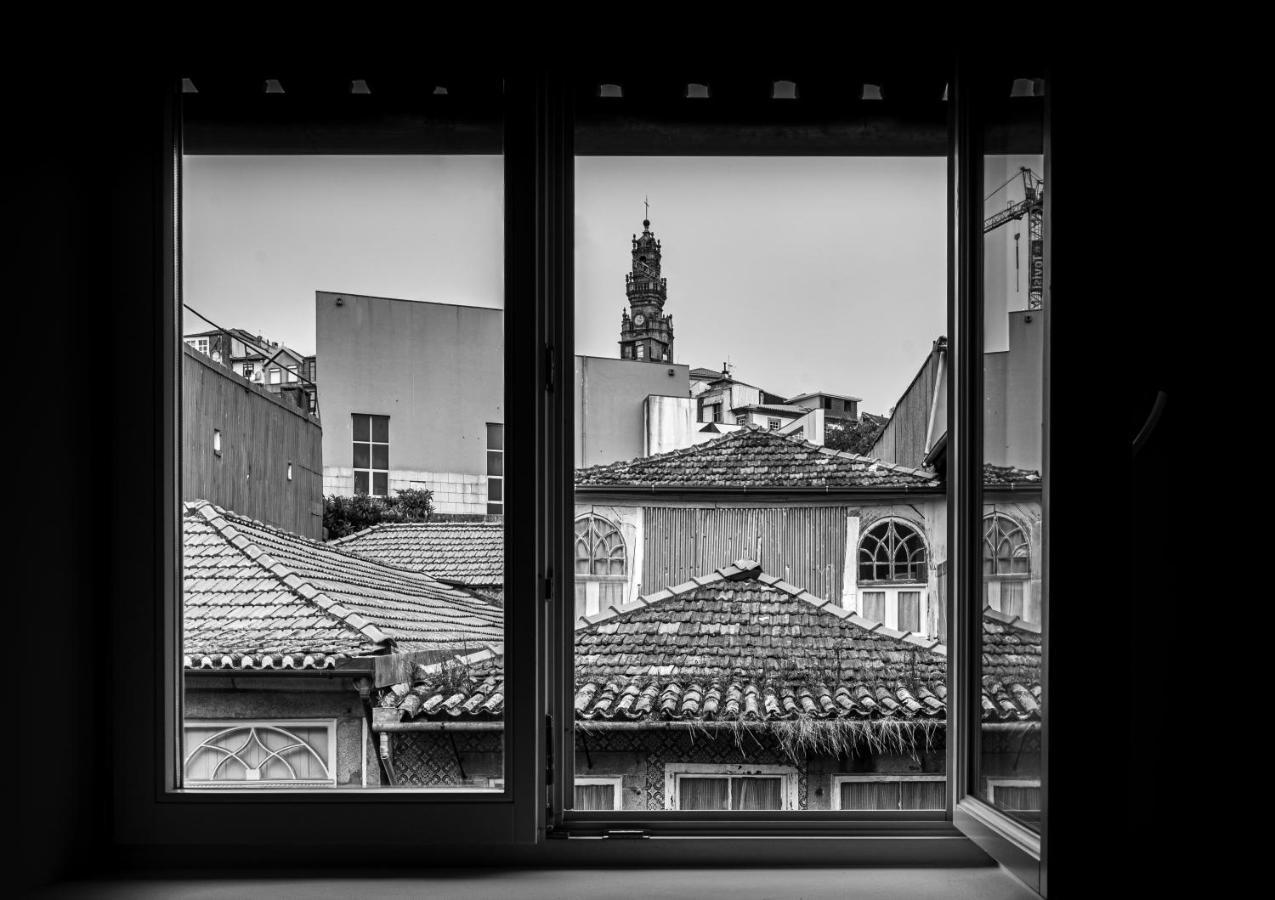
{"type": "Point", "coordinates": [329, 724]}
{"type": "Point", "coordinates": [371, 470]}
{"type": "Point", "coordinates": [674, 772]}
{"type": "Point", "coordinates": [146, 815]}
{"type": "Point", "coordinates": [841, 778]}
{"type": "Point", "coordinates": [616, 782]}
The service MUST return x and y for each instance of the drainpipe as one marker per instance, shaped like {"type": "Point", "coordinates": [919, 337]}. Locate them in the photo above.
{"type": "Point", "coordinates": [364, 686]}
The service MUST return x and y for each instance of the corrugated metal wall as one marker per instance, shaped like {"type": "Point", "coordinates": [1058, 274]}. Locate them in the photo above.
{"type": "Point", "coordinates": [903, 440]}
{"type": "Point", "coordinates": [260, 435]}
{"type": "Point", "coordinates": [805, 546]}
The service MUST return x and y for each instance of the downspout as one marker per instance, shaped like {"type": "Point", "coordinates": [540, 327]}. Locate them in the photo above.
{"type": "Point", "coordinates": [383, 760]}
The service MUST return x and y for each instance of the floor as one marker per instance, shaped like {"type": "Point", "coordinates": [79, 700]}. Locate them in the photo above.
{"type": "Point", "coordinates": [608, 884]}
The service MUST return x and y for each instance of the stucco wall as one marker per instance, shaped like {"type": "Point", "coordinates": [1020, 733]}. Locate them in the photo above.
{"type": "Point", "coordinates": [609, 400]}
{"type": "Point", "coordinates": [435, 369]}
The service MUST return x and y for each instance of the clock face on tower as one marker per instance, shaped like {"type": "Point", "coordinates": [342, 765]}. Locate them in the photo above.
{"type": "Point", "coordinates": [639, 320]}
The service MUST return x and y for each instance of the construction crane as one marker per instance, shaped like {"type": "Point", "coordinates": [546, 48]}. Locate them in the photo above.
{"type": "Point", "coordinates": [1033, 207]}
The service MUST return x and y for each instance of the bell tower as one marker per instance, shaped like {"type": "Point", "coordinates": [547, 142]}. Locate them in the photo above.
{"type": "Point", "coordinates": [646, 332]}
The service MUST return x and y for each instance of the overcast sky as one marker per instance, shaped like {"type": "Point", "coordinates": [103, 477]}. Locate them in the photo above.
{"type": "Point", "coordinates": [814, 273]}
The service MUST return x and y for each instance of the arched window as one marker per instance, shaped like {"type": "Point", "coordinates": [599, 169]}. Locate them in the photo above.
{"type": "Point", "coordinates": [892, 551]}
{"type": "Point", "coordinates": [601, 565]}
{"type": "Point", "coordinates": [1006, 564]}
{"type": "Point", "coordinates": [259, 754]}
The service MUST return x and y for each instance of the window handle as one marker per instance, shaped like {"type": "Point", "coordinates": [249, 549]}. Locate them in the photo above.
{"type": "Point", "coordinates": [1153, 419]}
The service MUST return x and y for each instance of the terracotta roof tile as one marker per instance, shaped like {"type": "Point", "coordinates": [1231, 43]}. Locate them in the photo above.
{"type": "Point", "coordinates": [754, 458]}
{"type": "Point", "coordinates": [467, 553]}
{"type": "Point", "coordinates": [740, 648]}
{"type": "Point", "coordinates": [255, 596]}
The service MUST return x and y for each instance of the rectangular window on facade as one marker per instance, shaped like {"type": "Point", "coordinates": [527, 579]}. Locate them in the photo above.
{"type": "Point", "coordinates": [260, 754]}
{"type": "Point", "coordinates": [371, 454]}
{"type": "Point", "coordinates": [712, 787]}
{"type": "Point", "coordinates": [495, 468]}
{"type": "Point", "coordinates": [598, 793]}
{"type": "Point", "coordinates": [276, 375]}
{"type": "Point", "coordinates": [200, 344]}
{"type": "Point", "coordinates": [883, 792]}
{"type": "Point", "coordinates": [248, 370]}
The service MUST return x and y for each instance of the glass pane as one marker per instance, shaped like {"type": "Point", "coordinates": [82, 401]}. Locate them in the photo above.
{"type": "Point", "coordinates": [909, 610]}
{"type": "Point", "coordinates": [743, 255]}
{"type": "Point", "coordinates": [495, 436]}
{"type": "Point", "coordinates": [495, 489]}
{"type": "Point", "coordinates": [277, 206]}
{"type": "Point", "coordinates": [704, 793]}
{"type": "Point", "coordinates": [595, 796]}
{"type": "Point", "coordinates": [1015, 307]}
{"type": "Point", "coordinates": [922, 795]}
{"type": "Point", "coordinates": [756, 793]}
{"type": "Point", "coordinates": [495, 463]}
{"type": "Point", "coordinates": [869, 795]}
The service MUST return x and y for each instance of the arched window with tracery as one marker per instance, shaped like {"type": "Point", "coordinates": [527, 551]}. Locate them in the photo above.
{"type": "Point", "coordinates": [602, 565]}
{"type": "Point", "coordinates": [1006, 564]}
{"type": "Point", "coordinates": [893, 572]}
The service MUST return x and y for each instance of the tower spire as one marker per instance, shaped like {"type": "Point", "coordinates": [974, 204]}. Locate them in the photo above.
{"type": "Point", "coordinates": [646, 219]}
{"type": "Point", "coordinates": [646, 331]}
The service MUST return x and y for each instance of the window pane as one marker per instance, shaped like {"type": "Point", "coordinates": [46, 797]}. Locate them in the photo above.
{"type": "Point", "coordinates": [495, 463]}
{"type": "Point", "coordinates": [756, 793]}
{"type": "Point", "coordinates": [923, 794]}
{"type": "Point", "coordinates": [1008, 741]}
{"type": "Point", "coordinates": [1018, 798]}
{"type": "Point", "coordinates": [595, 796]}
{"type": "Point", "coordinates": [495, 436]}
{"type": "Point", "coordinates": [495, 489]}
{"type": "Point", "coordinates": [396, 547]}
{"type": "Point", "coordinates": [909, 610]}
{"type": "Point", "coordinates": [869, 795]}
{"type": "Point", "coordinates": [873, 605]}
{"type": "Point", "coordinates": [704, 793]}
{"type": "Point", "coordinates": [731, 447]}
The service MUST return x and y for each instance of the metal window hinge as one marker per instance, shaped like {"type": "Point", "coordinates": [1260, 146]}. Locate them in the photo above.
{"type": "Point", "coordinates": [551, 367]}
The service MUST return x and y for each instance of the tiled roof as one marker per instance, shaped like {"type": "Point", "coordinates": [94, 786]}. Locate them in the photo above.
{"type": "Point", "coordinates": [1003, 476]}
{"type": "Point", "coordinates": [740, 645]}
{"type": "Point", "coordinates": [468, 553]}
{"type": "Point", "coordinates": [256, 596]}
{"type": "Point", "coordinates": [753, 457]}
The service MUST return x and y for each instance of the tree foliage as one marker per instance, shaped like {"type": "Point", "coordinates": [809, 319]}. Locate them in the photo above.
{"type": "Point", "coordinates": [346, 515]}
{"type": "Point", "coordinates": [854, 437]}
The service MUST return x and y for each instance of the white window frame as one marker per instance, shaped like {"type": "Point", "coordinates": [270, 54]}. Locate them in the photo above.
{"type": "Point", "coordinates": [674, 772]}
{"type": "Point", "coordinates": [200, 344]}
{"type": "Point", "coordinates": [838, 780]}
{"type": "Point", "coordinates": [994, 783]}
{"type": "Point", "coordinates": [487, 468]}
{"type": "Point", "coordinates": [891, 592]}
{"type": "Point", "coordinates": [616, 782]}
{"type": "Point", "coordinates": [371, 470]}
{"type": "Point", "coordinates": [279, 724]}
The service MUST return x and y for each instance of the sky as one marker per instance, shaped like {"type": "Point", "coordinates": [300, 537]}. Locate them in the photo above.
{"type": "Point", "coordinates": [812, 273]}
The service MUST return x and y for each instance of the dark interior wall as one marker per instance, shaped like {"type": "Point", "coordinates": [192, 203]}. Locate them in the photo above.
{"type": "Point", "coordinates": [89, 215]}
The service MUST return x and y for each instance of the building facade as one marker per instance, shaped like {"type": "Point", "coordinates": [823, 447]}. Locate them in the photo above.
{"type": "Point", "coordinates": [248, 449]}
{"type": "Point", "coordinates": [279, 369]}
